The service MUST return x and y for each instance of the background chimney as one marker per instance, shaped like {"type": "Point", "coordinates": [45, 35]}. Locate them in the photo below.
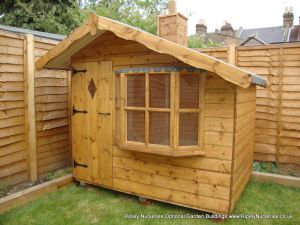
{"type": "Point", "coordinates": [201, 28]}
{"type": "Point", "coordinates": [173, 26]}
{"type": "Point", "coordinates": [288, 17]}
{"type": "Point", "coordinates": [227, 29]}
{"type": "Point", "coordinates": [172, 6]}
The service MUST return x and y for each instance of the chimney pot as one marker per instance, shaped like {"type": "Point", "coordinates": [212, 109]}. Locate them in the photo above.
{"type": "Point", "coordinates": [227, 29]}
{"type": "Point", "coordinates": [288, 17]}
{"type": "Point", "coordinates": [201, 28]}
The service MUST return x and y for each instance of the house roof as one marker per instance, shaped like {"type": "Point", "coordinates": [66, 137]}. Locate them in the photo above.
{"type": "Point", "coordinates": [267, 34]}
{"type": "Point", "coordinates": [253, 40]}
{"type": "Point", "coordinates": [59, 57]}
{"type": "Point", "coordinates": [17, 30]}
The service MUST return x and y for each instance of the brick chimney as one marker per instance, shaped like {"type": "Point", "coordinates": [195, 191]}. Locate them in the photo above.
{"type": "Point", "coordinates": [227, 29]}
{"type": "Point", "coordinates": [201, 27]}
{"type": "Point", "coordinates": [173, 26]}
{"type": "Point", "coordinates": [288, 17]}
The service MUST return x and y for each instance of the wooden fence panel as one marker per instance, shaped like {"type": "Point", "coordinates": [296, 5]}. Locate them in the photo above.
{"type": "Point", "coordinates": [266, 63]}
{"type": "Point", "coordinates": [49, 98]}
{"type": "Point", "coordinates": [13, 157]}
{"type": "Point", "coordinates": [277, 129]}
{"type": "Point", "coordinates": [289, 121]}
{"type": "Point", "coordinates": [52, 114]}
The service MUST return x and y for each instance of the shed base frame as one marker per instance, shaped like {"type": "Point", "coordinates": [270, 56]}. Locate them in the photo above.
{"type": "Point", "coordinates": [151, 198]}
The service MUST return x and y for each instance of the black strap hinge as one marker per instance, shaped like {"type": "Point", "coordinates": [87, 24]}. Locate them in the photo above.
{"type": "Point", "coordinates": [79, 164]}
{"type": "Point", "coordinates": [74, 71]}
{"type": "Point", "coordinates": [78, 111]}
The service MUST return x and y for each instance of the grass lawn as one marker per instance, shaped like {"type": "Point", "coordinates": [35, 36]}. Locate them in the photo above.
{"type": "Point", "coordinates": [75, 205]}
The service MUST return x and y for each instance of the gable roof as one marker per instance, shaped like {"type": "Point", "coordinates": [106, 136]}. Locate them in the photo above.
{"type": "Point", "coordinates": [254, 39]}
{"type": "Point", "coordinates": [267, 34]}
{"type": "Point", "coordinates": [59, 57]}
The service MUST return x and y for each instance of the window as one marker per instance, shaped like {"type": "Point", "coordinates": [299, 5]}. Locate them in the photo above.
{"type": "Point", "coordinates": [160, 112]}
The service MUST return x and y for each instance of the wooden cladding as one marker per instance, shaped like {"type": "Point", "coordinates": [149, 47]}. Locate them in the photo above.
{"type": "Point", "coordinates": [161, 110]}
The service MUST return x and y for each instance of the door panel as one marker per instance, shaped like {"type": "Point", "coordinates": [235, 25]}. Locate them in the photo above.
{"type": "Point", "coordinates": [92, 143]}
{"type": "Point", "coordinates": [78, 121]}
{"type": "Point", "coordinates": [92, 131]}
{"type": "Point", "coordinates": [105, 122]}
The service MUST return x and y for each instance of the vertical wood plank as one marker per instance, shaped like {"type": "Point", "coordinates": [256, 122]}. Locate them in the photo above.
{"type": "Point", "coordinates": [30, 120]}
{"type": "Point", "coordinates": [201, 123]}
{"type": "Point", "coordinates": [114, 130]}
{"type": "Point", "coordinates": [69, 163]}
{"type": "Point", "coordinates": [233, 153]}
{"type": "Point", "coordinates": [147, 110]}
{"type": "Point", "coordinates": [176, 108]}
{"type": "Point", "coordinates": [232, 54]}
{"type": "Point", "coordinates": [232, 60]}
{"type": "Point", "coordinates": [79, 122]}
{"type": "Point", "coordinates": [279, 106]}
{"type": "Point", "coordinates": [92, 119]}
{"type": "Point", "coordinates": [172, 109]}
{"type": "Point", "coordinates": [105, 137]}
{"type": "Point", "coordinates": [123, 128]}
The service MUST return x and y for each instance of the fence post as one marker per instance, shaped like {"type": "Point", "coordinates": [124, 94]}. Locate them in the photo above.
{"type": "Point", "coordinates": [279, 106]}
{"type": "Point", "coordinates": [232, 54]}
{"type": "Point", "coordinates": [30, 126]}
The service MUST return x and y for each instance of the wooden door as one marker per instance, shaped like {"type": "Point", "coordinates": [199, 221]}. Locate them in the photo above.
{"type": "Point", "coordinates": [92, 122]}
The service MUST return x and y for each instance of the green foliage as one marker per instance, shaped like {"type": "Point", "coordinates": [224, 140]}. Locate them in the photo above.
{"type": "Point", "coordinates": [4, 188]}
{"type": "Point", "coordinates": [139, 13]}
{"type": "Point", "coordinates": [196, 42]}
{"type": "Point", "coordinates": [63, 16]}
{"type": "Point", "coordinates": [265, 167]}
{"type": "Point", "coordinates": [55, 16]}
{"type": "Point", "coordinates": [57, 173]}
{"type": "Point", "coordinates": [79, 206]}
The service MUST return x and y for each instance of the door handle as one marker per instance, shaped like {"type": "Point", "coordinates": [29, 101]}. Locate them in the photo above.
{"type": "Point", "coordinates": [104, 114]}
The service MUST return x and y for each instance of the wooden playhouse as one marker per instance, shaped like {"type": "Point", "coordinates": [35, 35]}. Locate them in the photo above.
{"type": "Point", "coordinates": [157, 119]}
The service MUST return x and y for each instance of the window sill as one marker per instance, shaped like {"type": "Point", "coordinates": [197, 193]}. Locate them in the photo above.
{"type": "Point", "coordinates": [166, 151]}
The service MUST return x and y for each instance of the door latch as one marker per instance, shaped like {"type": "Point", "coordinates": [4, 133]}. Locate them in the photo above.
{"type": "Point", "coordinates": [79, 164]}
{"type": "Point", "coordinates": [104, 114]}
{"type": "Point", "coordinates": [78, 111]}
{"type": "Point", "coordinates": [74, 71]}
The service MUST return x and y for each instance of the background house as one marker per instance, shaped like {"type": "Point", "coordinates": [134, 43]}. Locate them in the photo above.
{"type": "Point", "coordinates": [286, 33]}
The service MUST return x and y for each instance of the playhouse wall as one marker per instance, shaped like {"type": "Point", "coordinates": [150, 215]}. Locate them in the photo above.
{"type": "Point", "coordinates": [243, 140]}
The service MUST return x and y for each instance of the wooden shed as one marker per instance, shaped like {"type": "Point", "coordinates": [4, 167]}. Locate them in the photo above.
{"type": "Point", "coordinates": [157, 119]}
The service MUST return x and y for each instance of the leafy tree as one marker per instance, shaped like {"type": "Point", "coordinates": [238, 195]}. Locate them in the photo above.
{"type": "Point", "coordinates": [55, 16]}
{"type": "Point", "coordinates": [139, 13]}
{"type": "Point", "coordinates": [196, 42]}
{"type": "Point", "coordinates": [63, 16]}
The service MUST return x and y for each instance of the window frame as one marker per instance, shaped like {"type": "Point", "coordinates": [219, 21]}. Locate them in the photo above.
{"type": "Point", "coordinates": [173, 149]}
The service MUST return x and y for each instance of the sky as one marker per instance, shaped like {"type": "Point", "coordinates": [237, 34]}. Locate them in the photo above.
{"type": "Point", "coordinates": [245, 13]}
